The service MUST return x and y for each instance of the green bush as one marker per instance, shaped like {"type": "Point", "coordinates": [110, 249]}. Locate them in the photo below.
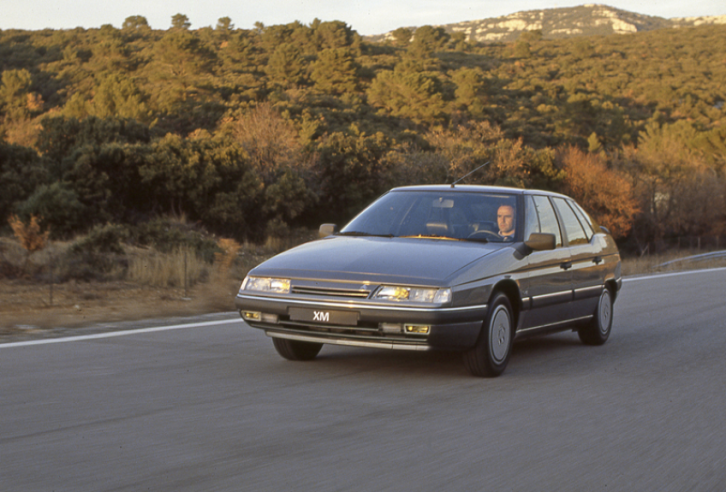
{"type": "Point", "coordinates": [102, 239]}
{"type": "Point", "coordinates": [97, 256]}
{"type": "Point", "coordinates": [58, 206]}
{"type": "Point", "coordinates": [168, 235]}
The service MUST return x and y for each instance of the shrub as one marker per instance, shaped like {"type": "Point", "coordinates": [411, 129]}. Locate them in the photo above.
{"type": "Point", "coordinates": [97, 256]}
{"type": "Point", "coordinates": [167, 269]}
{"type": "Point", "coordinates": [102, 239]}
{"type": "Point", "coordinates": [59, 206]}
{"type": "Point", "coordinates": [29, 235]}
{"type": "Point", "coordinates": [167, 235]}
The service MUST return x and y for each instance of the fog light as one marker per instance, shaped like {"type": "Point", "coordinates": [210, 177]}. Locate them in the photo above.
{"type": "Point", "coordinates": [390, 327]}
{"type": "Point", "coordinates": [417, 329]}
{"type": "Point", "coordinates": [251, 315]}
{"type": "Point", "coordinates": [270, 318]}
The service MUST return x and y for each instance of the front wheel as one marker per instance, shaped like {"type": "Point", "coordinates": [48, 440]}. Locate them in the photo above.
{"type": "Point", "coordinates": [598, 330]}
{"type": "Point", "coordinates": [294, 350]}
{"type": "Point", "coordinates": [490, 355]}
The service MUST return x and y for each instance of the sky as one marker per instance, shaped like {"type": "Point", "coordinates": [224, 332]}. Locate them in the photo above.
{"type": "Point", "coordinates": [366, 17]}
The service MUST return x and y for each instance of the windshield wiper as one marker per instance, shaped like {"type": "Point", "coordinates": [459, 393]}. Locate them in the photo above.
{"type": "Point", "coordinates": [433, 236]}
{"type": "Point", "coordinates": [360, 233]}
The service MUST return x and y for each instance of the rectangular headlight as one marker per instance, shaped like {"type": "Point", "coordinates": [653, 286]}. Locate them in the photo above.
{"type": "Point", "coordinates": [265, 284]}
{"type": "Point", "coordinates": [413, 294]}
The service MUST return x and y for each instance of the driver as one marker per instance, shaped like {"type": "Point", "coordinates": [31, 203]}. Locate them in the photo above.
{"type": "Point", "coordinates": [505, 221]}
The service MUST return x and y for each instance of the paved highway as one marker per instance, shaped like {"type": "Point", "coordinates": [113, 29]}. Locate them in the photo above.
{"type": "Point", "coordinates": [213, 407]}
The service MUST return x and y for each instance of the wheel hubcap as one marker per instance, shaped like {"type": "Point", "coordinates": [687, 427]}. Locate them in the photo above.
{"type": "Point", "coordinates": [605, 312]}
{"type": "Point", "coordinates": [499, 334]}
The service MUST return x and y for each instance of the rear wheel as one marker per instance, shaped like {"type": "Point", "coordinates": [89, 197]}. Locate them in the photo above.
{"type": "Point", "coordinates": [598, 330]}
{"type": "Point", "coordinates": [490, 355]}
{"type": "Point", "coordinates": [294, 350]}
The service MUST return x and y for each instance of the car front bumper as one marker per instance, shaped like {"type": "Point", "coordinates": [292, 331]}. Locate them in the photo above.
{"type": "Point", "coordinates": [366, 324]}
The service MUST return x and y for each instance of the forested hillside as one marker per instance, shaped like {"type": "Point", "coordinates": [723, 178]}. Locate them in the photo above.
{"type": "Point", "coordinates": [249, 132]}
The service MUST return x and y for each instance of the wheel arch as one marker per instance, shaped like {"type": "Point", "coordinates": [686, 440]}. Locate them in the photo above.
{"type": "Point", "coordinates": [612, 286]}
{"type": "Point", "coordinates": [509, 288]}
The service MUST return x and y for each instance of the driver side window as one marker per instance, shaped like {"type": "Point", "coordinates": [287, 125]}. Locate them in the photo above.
{"type": "Point", "coordinates": [531, 221]}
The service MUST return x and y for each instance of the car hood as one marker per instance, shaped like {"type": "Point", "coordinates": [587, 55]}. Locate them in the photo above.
{"type": "Point", "coordinates": [400, 260]}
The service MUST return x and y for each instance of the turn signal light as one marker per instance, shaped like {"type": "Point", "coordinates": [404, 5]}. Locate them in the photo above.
{"type": "Point", "coordinates": [251, 316]}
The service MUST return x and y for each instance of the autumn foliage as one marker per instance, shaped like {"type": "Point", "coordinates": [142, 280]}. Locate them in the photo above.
{"type": "Point", "coordinates": [603, 192]}
{"type": "Point", "coordinates": [244, 131]}
{"type": "Point", "coordinates": [224, 258]}
{"type": "Point", "coordinates": [30, 236]}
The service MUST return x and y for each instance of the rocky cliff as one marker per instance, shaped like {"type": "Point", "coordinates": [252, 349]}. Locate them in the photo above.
{"type": "Point", "coordinates": [585, 20]}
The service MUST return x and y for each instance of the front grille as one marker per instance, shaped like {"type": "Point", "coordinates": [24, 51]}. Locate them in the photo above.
{"type": "Point", "coordinates": [330, 292]}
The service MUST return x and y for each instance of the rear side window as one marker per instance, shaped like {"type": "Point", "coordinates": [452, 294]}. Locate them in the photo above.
{"type": "Point", "coordinates": [575, 233]}
{"type": "Point", "coordinates": [584, 218]}
{"type": "Point", "coordinates": [547, 218]}
{"type": "Point", "coordinates": [589, 231]}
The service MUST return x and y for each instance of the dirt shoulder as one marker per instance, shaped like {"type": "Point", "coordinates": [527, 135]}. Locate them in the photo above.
{"type": "Point", "coordinates": [26, 310]}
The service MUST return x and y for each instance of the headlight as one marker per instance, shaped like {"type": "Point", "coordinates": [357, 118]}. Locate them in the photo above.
{"type": "Point", "coordinates": [413, 294]}
{"type": "Point", "coordinates": [264, 284]}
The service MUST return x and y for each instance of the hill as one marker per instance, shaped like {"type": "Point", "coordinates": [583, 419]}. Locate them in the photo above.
{"type": "Point", "coordinates": [558, 23]}
{"type": "Point", "coordinates": [253, 132]}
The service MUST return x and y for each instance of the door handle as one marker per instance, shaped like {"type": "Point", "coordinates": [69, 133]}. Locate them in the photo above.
{"type": "Point", "coordinates": [597, 260]}
{"type": "Point", "coordinates": [566, 265]}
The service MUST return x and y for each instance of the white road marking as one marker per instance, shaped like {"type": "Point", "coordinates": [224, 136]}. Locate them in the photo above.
{"type": "Point", "coordinates": [121, 333]}
{"type": "Point", "coordinates": [675, 274]}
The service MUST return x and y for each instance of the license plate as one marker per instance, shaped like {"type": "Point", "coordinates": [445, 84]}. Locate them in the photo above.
{"type": "Point", "coordinates": [349, 318]}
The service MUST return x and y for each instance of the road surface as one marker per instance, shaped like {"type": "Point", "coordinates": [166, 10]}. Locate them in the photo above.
{"type": "Point", "coordinates": [212, 407]}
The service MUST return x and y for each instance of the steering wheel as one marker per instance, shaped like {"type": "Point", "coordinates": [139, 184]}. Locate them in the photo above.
{"type": "Point", "coordinates": [484, 233]}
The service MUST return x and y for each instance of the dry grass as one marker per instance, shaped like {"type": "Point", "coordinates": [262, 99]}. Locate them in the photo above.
{"type": "Point", "coordinates": [26, 304]}
{"type": "Point", "coordinates": [669, 262]}
{"type": "Point", "coordinates": [177, 269]}
{"type": "Point", "coordinates": [151, 287]}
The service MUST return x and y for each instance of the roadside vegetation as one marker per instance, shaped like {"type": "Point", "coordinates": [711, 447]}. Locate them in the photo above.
{"type": "Point", "coordinates": [113, 273]}
{"type": "Point", "coordinates": [131, 152]}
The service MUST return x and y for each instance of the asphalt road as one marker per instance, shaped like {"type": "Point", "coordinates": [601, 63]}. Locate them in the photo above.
{"type": "Point", "coordinates": [214, 408]}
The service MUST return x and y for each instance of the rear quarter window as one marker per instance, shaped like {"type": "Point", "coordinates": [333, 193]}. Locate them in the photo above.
{"type": "Point", "coordinates": [574, 230]}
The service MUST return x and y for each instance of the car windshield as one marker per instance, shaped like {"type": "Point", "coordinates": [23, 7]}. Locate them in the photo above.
{"type": "Point", "coordinates": [485, 217]}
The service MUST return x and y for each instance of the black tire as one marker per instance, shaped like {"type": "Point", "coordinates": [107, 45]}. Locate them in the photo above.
{"type": "Point", "coordinates": [490, 355]}
{"type": "Point", "coordinates": [294, 350]}
{"type": "Point", "coordinates": [597, 331]}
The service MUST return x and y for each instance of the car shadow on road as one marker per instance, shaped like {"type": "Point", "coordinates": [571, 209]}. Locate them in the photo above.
{"type": "Point", "coordinates": [552, 354]}
{"type": "Point", "coordinates": [434, 363]}
{"type": "Point", "coordinates": [533, 351]}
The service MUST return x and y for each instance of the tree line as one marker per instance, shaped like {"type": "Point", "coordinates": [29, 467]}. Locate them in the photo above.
{"type": "Point", "coordinates": [249, 132]}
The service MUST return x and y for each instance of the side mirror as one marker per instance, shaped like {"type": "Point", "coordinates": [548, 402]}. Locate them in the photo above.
{"type": "Point", "coordinates": [540, 241]}
{"type": "Point", "coordinates": [327, 230]}
{"type": "Point", "coordinates": [605, 229]}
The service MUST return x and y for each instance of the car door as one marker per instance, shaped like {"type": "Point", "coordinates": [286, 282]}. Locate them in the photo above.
{"type": "Point", "coordinates": [586, 258]}
{"type": "Point", "coordinates": [548, 296]}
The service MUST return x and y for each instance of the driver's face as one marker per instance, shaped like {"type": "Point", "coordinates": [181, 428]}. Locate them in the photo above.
{"type": "Point", "coordinates": [505, 220]}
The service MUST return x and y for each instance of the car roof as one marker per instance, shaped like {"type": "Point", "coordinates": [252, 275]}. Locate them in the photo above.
{"type": "Point", "coordinates": [477, 189]}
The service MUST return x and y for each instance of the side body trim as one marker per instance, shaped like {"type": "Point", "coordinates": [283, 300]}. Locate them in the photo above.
{"type": "Point", "coordinates": [550, 325]}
